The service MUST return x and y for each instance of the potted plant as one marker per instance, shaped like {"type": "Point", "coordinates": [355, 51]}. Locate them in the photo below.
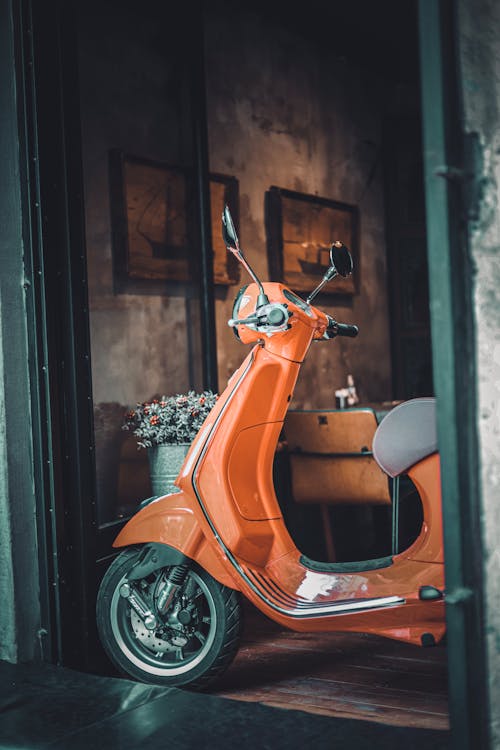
{"type": "Point", "coordinates": [166, 426]}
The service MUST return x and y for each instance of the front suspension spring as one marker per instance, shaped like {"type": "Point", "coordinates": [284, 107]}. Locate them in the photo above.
{"type": "Point", "coordinates": [178, 574]}
{"type": "Point", "coordinates": [175, 578]}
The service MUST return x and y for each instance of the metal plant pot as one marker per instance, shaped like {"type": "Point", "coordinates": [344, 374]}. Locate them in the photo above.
{"type": "Point", "coordinates": [165, 462]}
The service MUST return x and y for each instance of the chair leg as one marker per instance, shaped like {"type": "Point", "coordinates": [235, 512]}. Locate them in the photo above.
{"type": "Point", "coordinates": [395, 515]}
{"type": "Point", "coordinates": [327, 530]}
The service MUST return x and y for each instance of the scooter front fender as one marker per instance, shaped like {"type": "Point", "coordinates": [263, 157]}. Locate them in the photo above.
{"type": "Point", "coordinates": [174, 521]}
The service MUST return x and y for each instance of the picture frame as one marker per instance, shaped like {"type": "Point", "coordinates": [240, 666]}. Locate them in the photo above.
{"type": "Point", "coordinates": [300, 229]}
{"type": "Point", "coordinates": [153, 222]}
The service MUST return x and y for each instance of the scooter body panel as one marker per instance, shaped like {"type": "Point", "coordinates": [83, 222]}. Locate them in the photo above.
{"type": "Point", "coordinates": [176, 521]}
{"type": "Point", "coordinates": [227, 517]}
{"type": "Point", "coordinates": [426, 476]}
{"type": "Point", "coordinates": [400, 580]}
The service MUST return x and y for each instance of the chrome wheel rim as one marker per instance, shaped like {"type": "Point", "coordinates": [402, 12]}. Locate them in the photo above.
{"type": "Point", "coordinates": [154, 653]}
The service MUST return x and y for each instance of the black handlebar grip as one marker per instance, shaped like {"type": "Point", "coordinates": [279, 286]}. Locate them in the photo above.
{"type": "Point", "coordinates": [343, 329]}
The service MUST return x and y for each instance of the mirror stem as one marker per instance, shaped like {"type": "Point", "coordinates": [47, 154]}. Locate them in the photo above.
{"type": "Point", "coordinates": [262, 299]}
{"type": "Point", "coordinates": [329, 275]}
{"type": "Point", "coordinates": [232, 243]}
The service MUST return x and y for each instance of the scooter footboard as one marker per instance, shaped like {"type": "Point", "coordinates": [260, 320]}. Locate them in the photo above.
{"type": "Point", "coordinates": [173, 521]}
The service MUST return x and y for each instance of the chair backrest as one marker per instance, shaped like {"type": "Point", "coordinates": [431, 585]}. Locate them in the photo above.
{"type": "Point", "coordinates": [331, 457]}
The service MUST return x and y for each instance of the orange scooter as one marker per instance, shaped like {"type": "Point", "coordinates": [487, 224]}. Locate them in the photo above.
{"type": "Point", "coordinates": [169, 606]}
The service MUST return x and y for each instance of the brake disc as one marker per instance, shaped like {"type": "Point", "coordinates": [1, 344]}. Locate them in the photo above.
{"type": "Point", "coordinates": [148, 638]}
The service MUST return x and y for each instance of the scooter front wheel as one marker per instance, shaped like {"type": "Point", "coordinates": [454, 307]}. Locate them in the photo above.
{"type": "Point", "coordinates": [190, 645]}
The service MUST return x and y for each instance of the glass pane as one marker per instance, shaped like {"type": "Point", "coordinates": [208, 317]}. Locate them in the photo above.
{"type": "Point", "coordinates": [138, 159]}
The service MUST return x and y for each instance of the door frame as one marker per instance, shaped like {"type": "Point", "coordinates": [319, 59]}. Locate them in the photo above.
{"type": "Point", "coordinates": [453, 356]}
{"type": "Point", "coordinates": [47, 60]}
{"type": "Point", "coordinates": [58, 331]}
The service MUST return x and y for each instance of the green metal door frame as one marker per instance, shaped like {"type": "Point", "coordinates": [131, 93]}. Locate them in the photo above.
{"type": "Point", "coordinates": [454, 369]}
{"type": "Point", "coordinates": [24, 602]}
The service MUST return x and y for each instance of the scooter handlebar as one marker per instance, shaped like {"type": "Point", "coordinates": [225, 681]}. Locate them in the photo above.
{"type": "Point", "coordinates": [343, 329]}
{"type": "Point", "coordinates": [272, 316]}
{"type": "Point", "coordinates": [340, 329]}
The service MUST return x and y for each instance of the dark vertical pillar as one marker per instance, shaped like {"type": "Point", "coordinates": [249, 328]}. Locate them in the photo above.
{"type": "Point", "coordinates": [454, 372]}
{"type": "Point", "coordinates": [19, 584]}
{"type": "Point", "coordinates": [200, 130]}
{"type": "Point", "coordinates": [59, 267]}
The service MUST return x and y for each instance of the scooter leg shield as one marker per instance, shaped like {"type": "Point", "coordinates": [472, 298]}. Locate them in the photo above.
{"type": "Point", "coordinates": [173, 521]}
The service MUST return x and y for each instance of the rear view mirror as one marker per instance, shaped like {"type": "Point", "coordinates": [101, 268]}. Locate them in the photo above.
{"type": "Point", "coordinates": [229, 232]}
{"type": "Point", "coordinates": [341, 259]}
{"type": "Point", "coordinates": [340, 265]}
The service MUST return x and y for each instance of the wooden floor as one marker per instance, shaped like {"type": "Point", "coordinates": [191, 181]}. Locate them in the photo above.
{"type": "Point", "coordinates": [336, 674]}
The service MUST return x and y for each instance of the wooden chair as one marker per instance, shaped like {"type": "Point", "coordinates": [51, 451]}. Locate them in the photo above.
{"type": "Point", "coordinates": [331, 461]}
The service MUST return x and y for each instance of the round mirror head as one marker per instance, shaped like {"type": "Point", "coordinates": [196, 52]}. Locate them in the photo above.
{"type": "Point", "coordinates": [341, 259]}
{"type": "Point", "coordinates": [228, 231]}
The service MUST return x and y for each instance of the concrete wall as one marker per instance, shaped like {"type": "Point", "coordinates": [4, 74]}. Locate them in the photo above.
{"type": "Point", "coordinates": [480, 67]}
{"type": "Point", "coordinates": [280, 112]}
{"type": "Point", "coordinates": [284, 111]}
{"type": "Point", "coordinates": [131, 99]}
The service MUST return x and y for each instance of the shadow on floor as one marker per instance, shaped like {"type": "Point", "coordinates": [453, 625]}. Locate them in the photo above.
{"type": "Point", "coordinates": [44, 706]}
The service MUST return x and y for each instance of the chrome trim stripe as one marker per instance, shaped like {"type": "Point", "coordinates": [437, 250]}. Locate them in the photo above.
{"type": "Point", "coordinates": [301, 601]}
{"type": "Point", "coordinates": [295, 612]}
{"type": "Point", "coordinates": [341, 605]}
{"type": "Point", "coordinates": [274, 587]}
{"type": "Point", "coordinates": [265, 585]}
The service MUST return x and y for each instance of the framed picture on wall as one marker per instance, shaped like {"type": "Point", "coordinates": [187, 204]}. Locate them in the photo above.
{"type": "Point", "coordinates": [300, 231]}
{"type": "Point", "coordinates": [154, 221]}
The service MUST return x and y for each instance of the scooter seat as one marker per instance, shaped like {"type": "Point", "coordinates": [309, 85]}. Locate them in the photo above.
{"type": "Point", "coordinates": [406, 435]}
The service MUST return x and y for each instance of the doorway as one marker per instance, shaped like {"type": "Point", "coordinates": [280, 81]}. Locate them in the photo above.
{"type": "Point", "coordinates": [358, 173]}
{"type": "Point", "coordinates": [286, 111]}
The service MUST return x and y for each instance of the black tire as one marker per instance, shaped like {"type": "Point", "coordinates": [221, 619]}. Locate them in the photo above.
{"type": "Point", "coordinates": [139, 653]}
